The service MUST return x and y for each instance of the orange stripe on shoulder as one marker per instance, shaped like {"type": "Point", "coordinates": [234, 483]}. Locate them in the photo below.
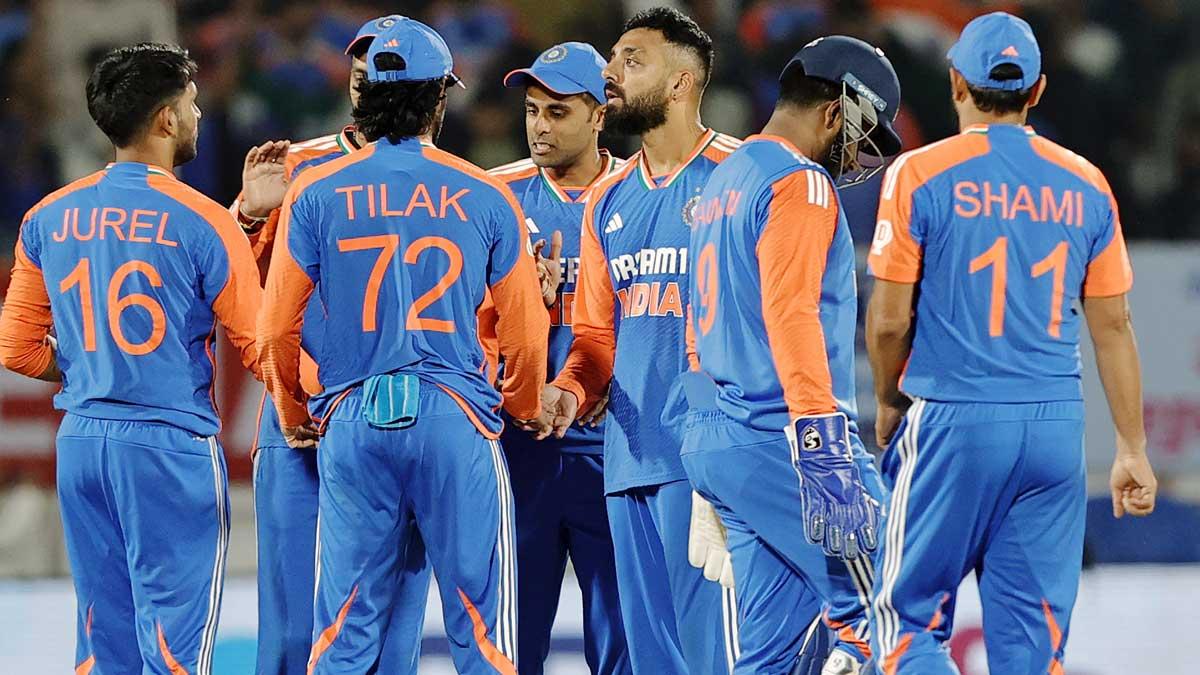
{"type": "Point", "coordinates": [932, 160]}
{"type": "Point", "coordinates": [297, 156]}
{"type": "Point", "coordinates": [611, 180]}
{"type": "Point", "coordinates": [73, 186]}
{"type": "Point", "coordinates": [515, 176]}
{"type": "Point", "coordinates": [214, 213]}
{"type": "Point", "coordinates": [716, 154]}
{"type": "Point", "coordinates": [316, 173]}
{"type": "Point", "coordinates": [446, 159]}
{"type": "Point", "coordinates": [1076, 164]}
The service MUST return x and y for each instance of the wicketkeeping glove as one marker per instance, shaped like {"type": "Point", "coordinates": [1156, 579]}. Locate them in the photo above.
{"type": "Point", "coordinates": [839, 514]}
{"type": "Point", "coordinates": [708, 547]}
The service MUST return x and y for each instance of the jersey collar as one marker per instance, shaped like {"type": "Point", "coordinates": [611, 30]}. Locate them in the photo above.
{"type": "Point", "coordinates": [347, 140]}
{"type": "Point", "coordinates": [150, 168]}
{"type": "Point", "coordinates": [560, 193]}
{"type": "Point", "coordinates": [983, 128]}
{"type": "Point", "coordinates": [644, 168]}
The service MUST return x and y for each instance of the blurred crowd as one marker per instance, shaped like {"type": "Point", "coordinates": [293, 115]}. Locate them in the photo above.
{"type": "Point", "coordinates": [1124, 78]}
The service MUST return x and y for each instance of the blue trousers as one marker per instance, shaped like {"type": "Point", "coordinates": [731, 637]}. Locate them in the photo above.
{"type": "Point", "coordinates": [994, 488]}
{"type": "Point", "coordinates": [439, 477]}
{"type": "Point", "coordinates": [676, 621]}
{"type": "Point", "coordinates": [146, 518]}
{"type": "Point", "coordinates": [561, 513]}
{"type": "Point", "coordinates": [286, 489]}
{"type": "Point", "coordinates": [782, 580]}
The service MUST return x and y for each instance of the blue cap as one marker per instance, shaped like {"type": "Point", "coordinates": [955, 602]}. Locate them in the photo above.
{"type": "Point", "coordinates": [994, 39]}
{"type": "Point", "coordinates": [565, 69]}
{"type": "Point", "coordinates": [369, 30]}
{"type": "Point", "coordinates": [863, 68]}
{"type": "Point", "coordinates": [423, 53]}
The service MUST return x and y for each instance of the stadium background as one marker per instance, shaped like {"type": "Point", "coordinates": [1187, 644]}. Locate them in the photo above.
{"type": "Point", "coordinates": [1124, 91]}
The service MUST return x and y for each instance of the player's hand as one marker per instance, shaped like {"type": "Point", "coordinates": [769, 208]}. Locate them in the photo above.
{"type": "Point", "coordinates": [562, 406]}
{"type": "Point", "coordinates": [540, 426]}
{"type": "Point", "coordinates": [264, 180]}
{"type": "Point", "coordinates": [1132, 482]}
{"type": "Point", "coordinates": [708, 543]}
{"type": "Point", "coordinates": [887, 420]}
{"type": "Point", "coordinates": [301, 437]}
{"type": "Point", "coordinates": [839, 514]}
{"type": "Point", "coordinates": [597, 414]}
{"type": "Point", "coordinates": [549, 269]}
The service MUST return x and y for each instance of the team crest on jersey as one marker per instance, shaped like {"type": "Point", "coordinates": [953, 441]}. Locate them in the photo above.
{"type": "Point", "coordinates": [689, 211]}
{"type": "Point", "coordinates": [811, 440]}
{"type": "Point", "coordinates": [554, 54]}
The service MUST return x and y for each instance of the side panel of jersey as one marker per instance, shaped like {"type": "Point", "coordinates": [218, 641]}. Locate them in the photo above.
{"type": "Point", "coordinates": [727, 288]}
{"type": "Point", "coordinates": [133, 265]}
{"type": "Point", "coordinates": [644, 233]}
{"type": "Point", "coordinates": [402, 246]}
{"type": "Point", "coordinates": [1008, 229]}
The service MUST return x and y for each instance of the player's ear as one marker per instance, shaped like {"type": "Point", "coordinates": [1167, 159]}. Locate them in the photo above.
{"type": "Point", "coordinates": [1039, 88]}
{"type": "Point", "coordinates": [958, 86]}
{"type": "Point", "coordinates": [832, 114]}
{"type": "Point", "coordinates": [165, 122]}
{"type": "Point", "coordinates": [685, 81]}
{"type": "Point", "coordinates": [598, 118]}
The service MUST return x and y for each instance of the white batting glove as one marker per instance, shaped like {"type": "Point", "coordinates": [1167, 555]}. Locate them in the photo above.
{"type": "Point", "coordinates": [708, 547]}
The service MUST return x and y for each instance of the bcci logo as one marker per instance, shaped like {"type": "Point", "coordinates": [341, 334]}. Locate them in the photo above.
{"type": "Point", "coordinates": [384, 24]}
{"type": "Point", "coordinates": [689, 211]}
{"type": "Point", "coordinates": [811, 440]}
{"type": "Point", "coordinates": [554, 54]}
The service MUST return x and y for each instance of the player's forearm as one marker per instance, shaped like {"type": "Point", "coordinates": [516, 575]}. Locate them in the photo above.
{"type": "Point", "coordinates": [1119, 368]}
{"type": "Point", "coordinates": [23, 349]}
{"type": "Point", "coordinates": [522, 332]}
{"type": "Point", "coordinates": [889, 343]}
{"type": "Point", "coordinates": [279, 357]}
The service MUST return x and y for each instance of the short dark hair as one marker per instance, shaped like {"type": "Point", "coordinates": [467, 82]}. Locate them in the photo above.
{"type": "Point", "coordinates": [130, 84]}
{"type": "Point", "coordinates": [679, 30]}
{"type": "Point", "coordinates": [801, 91]}
{"type": "Point", "coordinates": [397, 110]}
{"type": "Point", "coordinates": [1001, 101]}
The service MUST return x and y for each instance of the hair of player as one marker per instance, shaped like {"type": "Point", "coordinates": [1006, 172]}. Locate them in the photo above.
{"type": "Point", "coordinates": [798, 90]}
{"type": "Point", "coordinates": [1001, 101]}
{"type": "Point", "coordinates": [680, 30]}
{"type": "Point", "coordinates": [397, 110]}
{"type": "Point", "coordinates": [130, 84]}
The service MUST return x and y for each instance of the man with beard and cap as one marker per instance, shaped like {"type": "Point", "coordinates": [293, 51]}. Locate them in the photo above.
{"type": "Point", "coordinates": [629, 323]}
{"type": "Point", "coordinates": [132, 269]}
{"type": "Point", "coordinates": [985, 243]}
{"type": "Point", "coordinates": [558, 484]}
{"type": "Point", "coordinates": [774, 314]}
{"type": "Point", "coordinates": [285, 478]}
{"type": "Point", "coordinates": [400, 241]}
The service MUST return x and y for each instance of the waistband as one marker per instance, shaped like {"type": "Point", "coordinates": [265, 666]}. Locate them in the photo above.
{"type": "Point", "coordinates": [949, 412]}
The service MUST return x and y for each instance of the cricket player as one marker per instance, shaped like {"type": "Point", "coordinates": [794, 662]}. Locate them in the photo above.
{"type": "Point", "coordinates": [132, 269]}
{"type": "Point", "coordinates": [774, 310]}
{"type": "Point", "coordinates": [400, 240]}
{"type": "Point", "coordinates": [989, 238]}
{"type": "Point", "coordinates": [285, 478]}
{"type": "Point", "coordinates": [629, 324]}
{"type": "Point", "coordinates": [558, 484]}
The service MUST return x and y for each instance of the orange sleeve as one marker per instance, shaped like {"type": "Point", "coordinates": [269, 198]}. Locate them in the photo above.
{"type": "Point", "coordinates": [25, 320]}
{"type": "Point", "coordinates": [236, 306]}
{"type": "Point", "coordinates": [792, 250]}
{"type": "Point", "coordinates": [279, 322]}
{"type": "Point", "coordinates": [522, 327]}
{"type": "Point", "coordinates": [1109, 272]}
{"type": "Point", "coordinates": [589, 363]}
{"type": "Point", "coordinates": [895, 254]}
{"type": "Point", "coordinates": [488, 339]}
{"type": "Point", "coordinates": [261, 240]}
